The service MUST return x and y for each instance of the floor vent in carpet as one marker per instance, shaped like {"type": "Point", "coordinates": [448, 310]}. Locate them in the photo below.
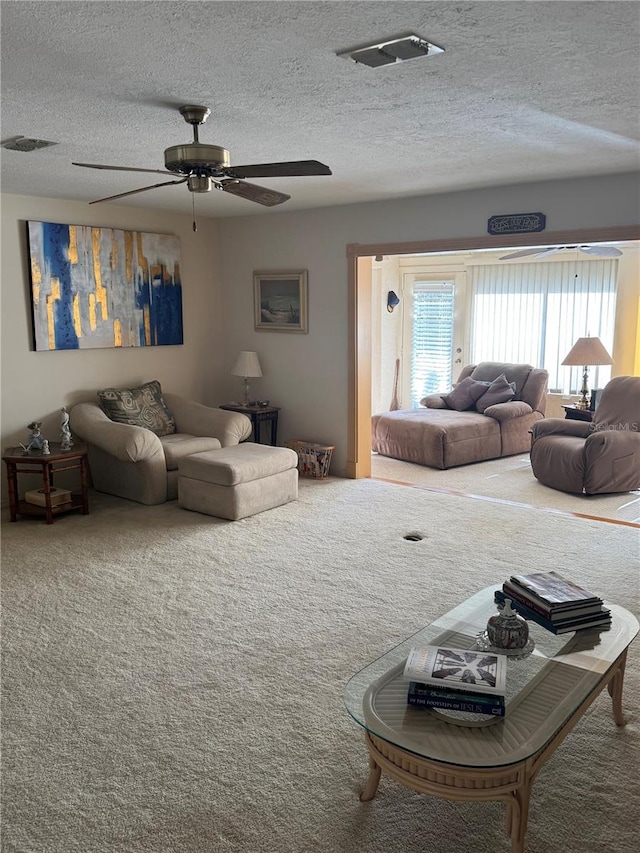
{"type": "Point", "coordinates": [414, 537]}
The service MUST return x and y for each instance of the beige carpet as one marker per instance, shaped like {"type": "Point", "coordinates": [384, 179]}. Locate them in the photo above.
{"type": "Point", "coordinates": [173, 683]}
{"type": "Point", "coordinates": [509, 479]}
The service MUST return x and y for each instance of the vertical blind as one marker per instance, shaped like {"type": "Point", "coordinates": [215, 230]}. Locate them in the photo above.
{"type": "Point", "coordinates": [534, 313]}
{"type": "Point", "coordinates": [432, 309]}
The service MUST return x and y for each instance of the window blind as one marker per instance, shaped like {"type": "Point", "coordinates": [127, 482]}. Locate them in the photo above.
{"type": "Point", "coordinates": [534, 313]}
{"type": "Point", "coordinates": [432, 307]}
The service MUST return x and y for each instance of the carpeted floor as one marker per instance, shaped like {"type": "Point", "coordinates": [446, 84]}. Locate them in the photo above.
{"type": "Point", "coordinates": [510, 479]}
{"type": "Point", "coordinates": [173, 683]}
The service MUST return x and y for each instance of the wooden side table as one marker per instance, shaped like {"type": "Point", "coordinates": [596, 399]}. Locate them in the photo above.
{"type": "Point", "coordinates": [58, 460]}
{"type": "Point", "coordinates": [258, 415]}
{"type": "Point", "coordinates": [574, 414]}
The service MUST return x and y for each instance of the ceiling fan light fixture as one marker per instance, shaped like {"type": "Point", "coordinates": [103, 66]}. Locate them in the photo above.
{"type": "Point", "coordinates": [199, 184]}
{"type": "Point", "coordinates": [390, 51]}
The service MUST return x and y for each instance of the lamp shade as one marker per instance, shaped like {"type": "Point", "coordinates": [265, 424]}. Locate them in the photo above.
{"type": "Point", "coordinates": [586, 352]}
{"type": "Point", "coordinates": [247, 364]}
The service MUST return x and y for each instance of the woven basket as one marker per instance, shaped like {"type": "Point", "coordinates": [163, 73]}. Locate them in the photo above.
{"type": "Point", "coordinates": [314, 460]}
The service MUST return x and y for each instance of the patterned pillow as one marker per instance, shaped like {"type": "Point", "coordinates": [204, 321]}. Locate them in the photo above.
{"type": "Point", "coordinates": [143, 406]}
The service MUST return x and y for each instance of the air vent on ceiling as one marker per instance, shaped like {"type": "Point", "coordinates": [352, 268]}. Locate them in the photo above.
{"type": "Point", "coordinates": [24, 143]}
{"type": "Point", "coordinates": [390, 51]}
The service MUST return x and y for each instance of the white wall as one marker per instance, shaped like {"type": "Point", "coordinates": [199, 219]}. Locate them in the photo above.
{"type": "Point", "coordinates": [35, 385]}
{"type": "Point", "coordinates": [308, 374]}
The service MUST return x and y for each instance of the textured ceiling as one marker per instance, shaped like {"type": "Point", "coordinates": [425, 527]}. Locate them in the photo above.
{"type": "Point", "coordinates": [525, 91]}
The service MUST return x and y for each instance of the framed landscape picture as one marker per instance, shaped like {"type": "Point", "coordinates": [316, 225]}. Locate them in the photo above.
{"type": "Point", "coordinates": [103, 287]}
{"type": "Point", "coordinates": [280, 301]}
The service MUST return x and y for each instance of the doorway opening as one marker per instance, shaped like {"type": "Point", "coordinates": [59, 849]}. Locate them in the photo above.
{"type": "Point", "coordinates": [361, 298]}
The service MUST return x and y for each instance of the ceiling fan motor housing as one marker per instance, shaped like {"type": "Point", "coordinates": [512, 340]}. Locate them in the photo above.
{"type": "Point", "coordinates": [197, 157]}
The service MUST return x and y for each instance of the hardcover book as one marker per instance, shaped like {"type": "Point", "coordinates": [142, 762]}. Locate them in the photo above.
{"type": "Point", "coordinates": [427, 692]}
{"type": "Point", "coordinates": [461, 669]}
{"type": "Point", "coordinates": [468, 706]}
{"type": "Point", "coordinates": [601, 619]}
{"type": "Point", "coordinates": [553, 588]}
{"type": "Point", "coordinates": [512, 591]}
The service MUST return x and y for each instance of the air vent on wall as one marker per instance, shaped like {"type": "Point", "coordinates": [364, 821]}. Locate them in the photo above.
{"type": "Point", "coordinates": [24, 143]}
{"type": "Point", "coordinates": [389, 51]}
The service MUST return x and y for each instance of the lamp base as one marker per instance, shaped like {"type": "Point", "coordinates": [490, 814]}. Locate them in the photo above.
{"type": "Point", "coordinates": [583, 402]}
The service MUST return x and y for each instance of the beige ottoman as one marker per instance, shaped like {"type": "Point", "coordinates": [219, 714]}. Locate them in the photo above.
{"type": "Point", "coordinates": [235, 482]}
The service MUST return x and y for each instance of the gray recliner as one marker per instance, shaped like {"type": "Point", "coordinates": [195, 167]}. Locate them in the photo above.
{"type": "Point", "coordinates": [135, 463]}
{"type": "Point", "coordinates": [593, 458]}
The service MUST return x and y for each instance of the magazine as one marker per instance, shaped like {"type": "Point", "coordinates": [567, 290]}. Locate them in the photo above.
{"type": "Point", "coordinates": [553, 588]}
{"type": "Point", "coordinates": [458, 669]}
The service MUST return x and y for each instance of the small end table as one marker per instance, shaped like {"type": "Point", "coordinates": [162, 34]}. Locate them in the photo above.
{"type": "Point", "coordinates": [572, 413]}
{"type": "Point", "coordinates": [258, 415]}
{"type": "Point", "coordinates": [58, 460]}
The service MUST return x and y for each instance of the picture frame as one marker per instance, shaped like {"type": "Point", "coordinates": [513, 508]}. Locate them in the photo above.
{"type": "Point", "coordinates": [280, 301]}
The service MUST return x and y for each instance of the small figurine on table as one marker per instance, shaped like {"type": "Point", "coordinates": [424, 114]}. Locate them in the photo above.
{"type": "Point", "coordinates": [65, 431]}
{"type": "Point", "coordinates": [36, 439]}
{"type": "Point", "coordinates": [45, 448]}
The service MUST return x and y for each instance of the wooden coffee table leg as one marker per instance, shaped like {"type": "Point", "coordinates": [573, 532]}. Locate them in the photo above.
{"type": "Point", "coordinates": [371, 785]}
{"type": "Point", "coordinates": [615, 690]}
{"type": "Point", "coordinates": [517, 816]}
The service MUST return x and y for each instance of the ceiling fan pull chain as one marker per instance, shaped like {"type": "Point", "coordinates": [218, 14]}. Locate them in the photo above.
{"type": "Point", "coordinates": [193, 209]}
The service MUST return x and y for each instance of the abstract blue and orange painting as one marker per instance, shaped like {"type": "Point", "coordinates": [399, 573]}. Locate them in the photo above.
{"type": "Point", "coordinates": [102, 287]}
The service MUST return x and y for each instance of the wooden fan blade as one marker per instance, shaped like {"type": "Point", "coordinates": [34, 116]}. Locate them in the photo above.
{"type": "Point", "coordinates": [122, 168]}
{"type": "Point", "coordinates": [252, 192]}
{"type": "Point", "coordinates": [290, 169]}
{"type": "Point", "coordinates": [141, 190]}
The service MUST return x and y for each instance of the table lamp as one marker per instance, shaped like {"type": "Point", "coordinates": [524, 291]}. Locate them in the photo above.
{"type": "Point", "coordinates": [247, 366]}
{"type": "Point", "coordinates": [585, 352]}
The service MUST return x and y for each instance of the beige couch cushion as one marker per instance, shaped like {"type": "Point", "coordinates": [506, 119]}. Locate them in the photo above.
{"type": "Point", "coordinates": [243, 463]}
{"type": "Point", "coordinates": [178, 446]}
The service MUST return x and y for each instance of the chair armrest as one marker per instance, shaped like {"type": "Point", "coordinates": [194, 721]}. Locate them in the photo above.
{"type": "Point", "coordinates": [613, 441]}
{"type": "Point", "coordinates": [612, 461]}
{"type": "Point", "coordinates": [230, 428]}
{"type": "Point", "coordinates": [433, 401]}
{"type": "Point", "coordinates": [127, 443]}
{"type": "Point", "coordinates": [507, 411]}
{"type": "Point", "coordinates": [558, 426]}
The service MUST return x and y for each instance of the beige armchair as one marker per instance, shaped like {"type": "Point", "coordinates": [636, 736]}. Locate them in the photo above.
{"type": "Point", "coordinates": [135, 463]}
{"type": "Point", "coordinates": [593, 458]}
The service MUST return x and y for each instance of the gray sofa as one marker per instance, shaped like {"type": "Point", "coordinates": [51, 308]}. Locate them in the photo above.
{"type": "Point", "coordinates": [135, 463]}
{"type": "Point", "coordinates": [442, 437]}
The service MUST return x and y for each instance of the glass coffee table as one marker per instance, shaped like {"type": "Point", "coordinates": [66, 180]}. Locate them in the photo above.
{"type": "Point", "coordinates": [463, 757]}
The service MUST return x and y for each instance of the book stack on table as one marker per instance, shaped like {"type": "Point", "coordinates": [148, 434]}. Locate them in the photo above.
{"type": "Point", "coordinates": [554, 602]}
{"type": "Point", "coordinates": [456, 680]}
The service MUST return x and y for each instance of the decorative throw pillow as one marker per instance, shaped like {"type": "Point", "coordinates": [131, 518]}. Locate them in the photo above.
{"type": "Point", "coordinates": [499, 391]}
{"type": "Point", "coordinates": [143, 406]}
{"type": "Point", "coordinates": [465, 394]}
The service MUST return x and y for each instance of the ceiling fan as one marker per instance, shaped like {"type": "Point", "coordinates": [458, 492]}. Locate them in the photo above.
{"type": "Point", "coordinates": [205, 167]}
{"type": "Point", "coordinates": [541, 252]}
